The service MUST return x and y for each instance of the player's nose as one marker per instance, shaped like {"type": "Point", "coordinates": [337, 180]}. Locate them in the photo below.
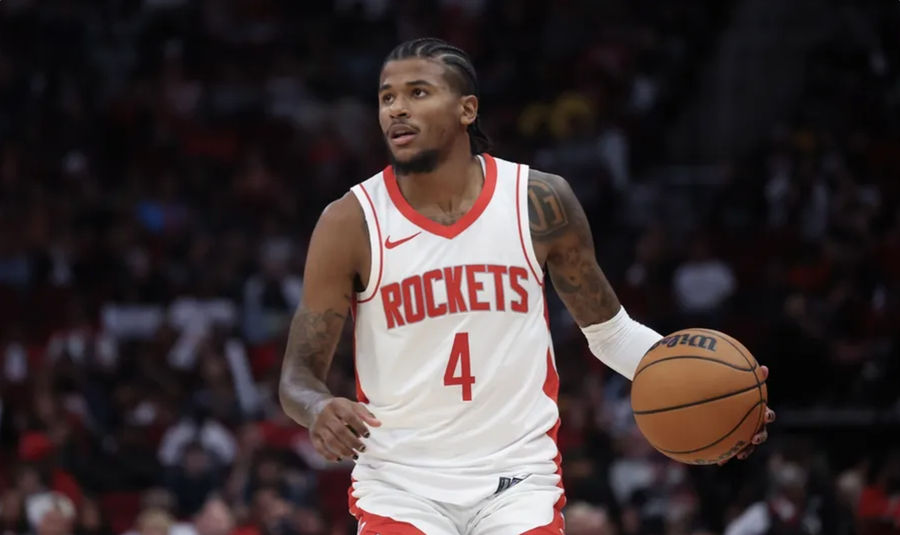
{"type": "Point", "coordinates": [398, 108]}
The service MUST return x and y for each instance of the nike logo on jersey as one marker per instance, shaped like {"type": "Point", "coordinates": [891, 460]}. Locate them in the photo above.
{"type": "Point", "coordinates": [391, 244]}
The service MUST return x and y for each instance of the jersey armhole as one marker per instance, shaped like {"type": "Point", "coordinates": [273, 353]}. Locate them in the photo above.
{"type": "Point", "coordinates": [524, 223]}
{"type": "Point", "coordinates": [375, 253]}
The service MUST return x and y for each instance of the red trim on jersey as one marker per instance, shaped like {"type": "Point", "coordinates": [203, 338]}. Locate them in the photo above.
{"type": "Point", "coordinates": [546, 309]}
{"type": "Point", "coordinates": [551, 390]}
{"type": "Point", "coordinates": [446, 231]}
{"type": "Point", "coordinates": [380, 249]}
{"type": "Point", "coordinates": [360, 395]}
{"type": "Point", "coordinates": [375, 524]}
{"type": "Point", "coordinates": [555, 527]}
{"type": "Point", "coordinates": [351, 499]}
{"type": "Point", "coordinates": [521, 234]}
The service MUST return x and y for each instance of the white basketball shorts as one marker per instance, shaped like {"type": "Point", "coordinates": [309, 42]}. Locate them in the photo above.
{"type": "Point", "coordinates": [528, 505]}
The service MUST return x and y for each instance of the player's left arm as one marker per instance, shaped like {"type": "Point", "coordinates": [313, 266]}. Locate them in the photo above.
{"type": "Point", "coordinates": [563, 243]}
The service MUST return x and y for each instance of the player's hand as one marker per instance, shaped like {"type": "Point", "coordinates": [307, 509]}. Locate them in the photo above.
{"type": "Point", "coordinates": [760, 437]}
{"type": "Point", "coordinates": [339, 428]}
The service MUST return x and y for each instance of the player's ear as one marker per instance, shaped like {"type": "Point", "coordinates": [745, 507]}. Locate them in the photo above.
{"type": "Point", "coordinates": [468, 105]}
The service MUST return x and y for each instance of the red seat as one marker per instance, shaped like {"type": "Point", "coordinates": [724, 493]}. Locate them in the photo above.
{"type": "Point", "coordinates": [120, 509]}
{"type": "Point", "coordinates": [332, 487]}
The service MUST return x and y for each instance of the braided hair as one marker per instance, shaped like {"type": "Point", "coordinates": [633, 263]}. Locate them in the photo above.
{"type": "Point", "coordinates": [462, 76]}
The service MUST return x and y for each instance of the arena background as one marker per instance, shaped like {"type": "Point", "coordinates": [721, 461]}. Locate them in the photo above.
{"type": "Point", "coordinates": [162, 163]}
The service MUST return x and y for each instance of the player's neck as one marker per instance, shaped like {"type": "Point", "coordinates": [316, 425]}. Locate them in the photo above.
{"type": "Point", "coordinates": [457, 179]}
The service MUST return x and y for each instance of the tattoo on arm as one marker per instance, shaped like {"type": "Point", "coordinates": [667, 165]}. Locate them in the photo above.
{"type": "Point", "coordinates": [310, 348]}
{"type": "Point", "coordinates": [545, 211]}
{"type": "Point", "coordinates": [558, 223]}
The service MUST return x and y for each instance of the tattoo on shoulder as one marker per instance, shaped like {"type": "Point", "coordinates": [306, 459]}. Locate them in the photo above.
{"type": "Point", "coordinates": [546, 211]}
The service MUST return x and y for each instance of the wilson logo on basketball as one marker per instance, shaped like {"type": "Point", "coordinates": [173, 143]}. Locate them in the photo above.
{"type": "Point", "coordinates": [694, 340]}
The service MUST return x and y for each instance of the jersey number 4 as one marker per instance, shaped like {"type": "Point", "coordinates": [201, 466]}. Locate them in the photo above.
{"type": "Point", "coordinates": [459, 356]}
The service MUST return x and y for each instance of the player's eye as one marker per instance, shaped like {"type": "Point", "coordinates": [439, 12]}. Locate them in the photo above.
{"type": "Point", "coordinates": [387, 98]}
{"type": "Point", "coordinates": [419, 92]}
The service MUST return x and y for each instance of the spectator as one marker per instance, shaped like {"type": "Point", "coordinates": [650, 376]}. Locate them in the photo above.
{"type": "Point", "coordinates": [154, 522]}
{"type": "Point", "coordinates": [585, 519]}
{"type": "Point", "coordinates": [91, 520]}
{"type": "Point", "coordinates": [703, 283]}
{"type": "Point", "coordinates": [51, 513]}
{"type": "Point", "coordinates": [786, 510]}
{"type": "Point", "coordinates": [879, 501]}
{"type": "Point", "coordinates": [214, 518]}
{"type": "Point", "coordinates": [194, 479]}
{"type": "Point", "coordinates": [201, 433]}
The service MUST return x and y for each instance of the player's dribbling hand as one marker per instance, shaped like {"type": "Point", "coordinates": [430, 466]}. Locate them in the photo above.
{"type": "Point", "coordinates": [338, 429]}
{"type": "Point", "coordinates": [760, 437]}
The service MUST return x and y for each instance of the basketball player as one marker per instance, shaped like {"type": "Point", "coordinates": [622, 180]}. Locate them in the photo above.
{"type": "Point", "coordinates": [441, 258]}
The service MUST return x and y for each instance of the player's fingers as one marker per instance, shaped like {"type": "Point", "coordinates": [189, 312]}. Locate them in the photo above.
{"type": "Point", "coordinates": [355, 425]}
{"type": "Point", "coordinates": [770, 416]}
{"type": "Point", "coordinates": [744, 453]}
{"type": "Point", "coordinates": [764, 371]}
{"type": "Point", "coordinates": [328, 450]}
{"type": "Point", "coordinates": [337, 445]}
{"type": "Point", "coordinates": [323, 450]}
{"type": "Point", "coordinates": [366, 415]}
{"type": "Point", "coordinates": [760, 437]}
{"type": "Point", "coordinates": [346, 436]}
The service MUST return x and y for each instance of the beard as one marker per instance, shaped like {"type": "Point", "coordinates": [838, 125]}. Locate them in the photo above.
{"type": "Point", "coordinates": [423, 162]}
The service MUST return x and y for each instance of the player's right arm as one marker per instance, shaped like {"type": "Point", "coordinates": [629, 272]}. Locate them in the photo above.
{"type": "Point", "coordinates": [337, 250]}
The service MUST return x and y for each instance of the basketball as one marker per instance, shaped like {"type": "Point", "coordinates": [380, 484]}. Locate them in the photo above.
{"type": "Point", "coordinates": [698, 396]}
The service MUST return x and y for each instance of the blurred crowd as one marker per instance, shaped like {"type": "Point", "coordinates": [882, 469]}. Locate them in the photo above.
{"type": "Point", "coordinates": [162, 163]}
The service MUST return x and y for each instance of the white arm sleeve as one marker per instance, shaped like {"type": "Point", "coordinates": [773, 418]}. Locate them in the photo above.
{"type": "Point", "coordinates": [620, 342]}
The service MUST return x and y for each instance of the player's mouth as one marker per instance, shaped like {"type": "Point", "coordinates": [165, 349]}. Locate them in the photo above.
{"type": "Point", "coordinates": [401, 134]}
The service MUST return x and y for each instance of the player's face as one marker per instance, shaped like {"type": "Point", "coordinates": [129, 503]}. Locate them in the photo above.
{"type": "Point", "coordinates": [419, 112]}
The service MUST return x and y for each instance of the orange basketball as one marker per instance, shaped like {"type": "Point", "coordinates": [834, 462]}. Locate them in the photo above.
{"type": "Point", "coordinates": [698, 397]}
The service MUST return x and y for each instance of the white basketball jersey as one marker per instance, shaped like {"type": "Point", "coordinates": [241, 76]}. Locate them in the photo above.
{"type": "Point", "coordinates": [453, 350]}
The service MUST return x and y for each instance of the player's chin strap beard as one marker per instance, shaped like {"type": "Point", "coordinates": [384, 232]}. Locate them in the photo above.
{"type": "Point", "coordinates": [424, 162]}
